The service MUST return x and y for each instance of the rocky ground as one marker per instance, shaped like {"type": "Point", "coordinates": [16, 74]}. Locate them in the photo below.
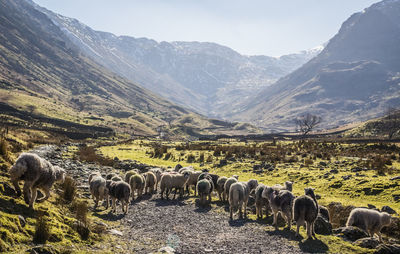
{"type": "Point", "coordinates": [154, 225]}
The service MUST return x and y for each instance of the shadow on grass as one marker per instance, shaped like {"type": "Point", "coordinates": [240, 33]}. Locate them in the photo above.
{"type": "Point", "coordinates": [11, 207]}
{"type": "Point", "coordinates": [313, 246]}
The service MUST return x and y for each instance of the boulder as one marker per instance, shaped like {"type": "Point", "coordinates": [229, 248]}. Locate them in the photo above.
{"type": "Point", "coordinates": [324, 213]}
{"type": "Point", "coordinates": [350, 233]}
{"type": "Point", "coordinates": [367, 242]}
{"type": "Point", "coordinates": [322, 226]}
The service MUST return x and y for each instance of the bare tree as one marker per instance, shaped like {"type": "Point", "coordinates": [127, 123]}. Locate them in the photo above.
{"type": "Point", "coordinates": [307, 123]}
{"type": "Point", "coordinates": [392, 121]}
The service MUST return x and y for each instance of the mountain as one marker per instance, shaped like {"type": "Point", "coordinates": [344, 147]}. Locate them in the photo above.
{"type": "Point", "coordinates": [355, 78]}
{"type": "Point", "coordinates": [43, 73]}
{"type": "Point", "coordinates": [206, 77]}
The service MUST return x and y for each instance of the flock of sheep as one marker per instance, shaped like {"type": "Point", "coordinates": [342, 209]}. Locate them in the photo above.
{"type": "Point", "coordinates": [39, 173]}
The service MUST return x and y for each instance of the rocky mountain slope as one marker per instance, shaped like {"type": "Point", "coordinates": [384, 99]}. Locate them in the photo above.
{"type": "Point", "coordinates": [206, 77]}
{"type": "Point", "coordinates": [354, 78]}
{"type": "Point", "coordinates": [43, 73]}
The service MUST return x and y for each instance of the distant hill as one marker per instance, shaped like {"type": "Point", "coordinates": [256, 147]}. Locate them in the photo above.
{"type": "Point", "coordinates": [355, 78]}
{"type": "Point", "coordinates": [206, 77]}
{"type": "Point", "coordinates": [43, 73]}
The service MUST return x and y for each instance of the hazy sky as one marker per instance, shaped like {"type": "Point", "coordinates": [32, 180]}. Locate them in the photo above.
{"type": "Point", "coordinates": [268, 27]}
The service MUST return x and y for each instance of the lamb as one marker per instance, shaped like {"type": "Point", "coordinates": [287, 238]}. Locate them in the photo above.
{"type": "Point", "coordinates": [261, 201]}
{"type": "Point", "coordinates": [98, 188]}
{"type": "Point", "coordinates": [305, 211]}
{"type": "Point", "coordinates": [228, 184]}
{"type": "Point", "coordinates": [192, 181]}
{"type": "Point", "coordinates": [369, 220]}
{"type": "Point", "coordinates": [37, 173]}
{"type": "Point", "coordinates": [220, 188]}
{"type": "Point", "coordinates": [119, 190]}
{"type": "Point", "coordinates": [281, 202]}
{"type": "Point", "coordinates": [136, 183]}
{"type": "Point", "coordinates": [238, 197]}
{"type": "Point", "coordinates": [204, 189]}
{"type": "Point", "coordinates": [171, 181]}
{"type": "Point", "coordinates": [150, 180]}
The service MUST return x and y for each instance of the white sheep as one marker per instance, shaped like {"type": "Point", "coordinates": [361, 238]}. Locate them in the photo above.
{"type": "Point", "coordinates": [150, 180]}
{"type": "Point", "coordinates": [37, 173]}
{"type": "Point", "coordinates": [204, 189]}
{"type": "Point", "coordinates": [98, 188]}
{"type": "Point", "coordinates": [171, 181]}
{"type": "Point", "coordinates": [220, 188]}
{"type": "Point", "coordinates": [369, 220]}
{"type": "Point", "coordinates": [136, 182]}
{"type": "Point", "coordinates": [228, 184]}
{"type": "Point", "coordinates": [238, 197]}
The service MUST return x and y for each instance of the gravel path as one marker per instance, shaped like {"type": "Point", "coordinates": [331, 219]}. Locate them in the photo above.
{"type": "Point", "coordinates": [152, 223]}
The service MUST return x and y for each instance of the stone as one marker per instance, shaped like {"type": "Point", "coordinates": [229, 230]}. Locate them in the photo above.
{"type": "Point", "coordinates": [388, 210]}
{"type": "Point", "coordinates": [322, 163]}
{"type": "Point", "coordinates": [22, 221]}
{"type": "Point", "coordinates": [322, 226]}
{"type": "Point", "coordinates": [346, 177]}
{"type": "Point", "coordinates": [388, 249]}
{"type": "Point", "coordinates": [324, 213]}
{"type": "Point", "coordinates": [367, 242]}
{"type": "Point", "coordinates": [166, 249]}
{"type": "Point", "coordinates": [350, 233]}
{"type": "Point", "coordinates": [334, 171]}
{"type": "Point", "coordinates": [395, 178]}
{"type": "Point", "coordinates": [115, 232]}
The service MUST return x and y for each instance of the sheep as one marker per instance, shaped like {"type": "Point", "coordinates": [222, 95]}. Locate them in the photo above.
{"type": "Point", "coordinates": [185, 168]}
{"type": "Point", "coordinates": [192, 181]}
{"type": "Point", "coordinates": [288, 185]}
{"type": "Point", "coordinates": [220, 188]}
{"type": "Point", "coordinates": [238, 197]}
{"type": "Point", "coordinates": [369, 220]}
{"type": "Point", "coordinates": [129, 174]}
{"type": "Point", "coordinates": [93, 175]}
{"type": "Point", "coordinates": [150, 181]}
{"type": "Point", "coordinates": [204, 189]}
{"type": "Point", "coordinates": [36, 172]}
{"type": "Point", "coordinates": [281, 202]}
{"type": "Point", "coordinates": [157, 172]}
{"type": "Point", "coordinates": [116, 178]}
{"type": "Point", "coordinates": [119, 190]}
{"type": "Point", "coordinates": [252, 183]}
{"type": "Point", "coordinates": [98, 188]}
{"type": "Point", "coordinates": [261, 201]}
{"type": "Point", "coordinates": [228, 184]}
{"type": "Point", "coordinates": [136, 183]}
{"type": "Point", "coordinates": [305, 211]}
{"type": "Point", "coordinates": [171, 181]}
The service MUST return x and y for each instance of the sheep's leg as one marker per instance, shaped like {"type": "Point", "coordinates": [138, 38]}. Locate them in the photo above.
{"type": "Point", "coordinates": [297, 228]}
{"type": "Point", "coordinates": [224, 196]}
{"type": "Point", "coordinates": [240, 212]}
{"type": "Point", "coordinates": [33, 197]}
{"type": "Point", "coordinates": [231, 212]}
{"type": "Point", "coordinates": [27, 192]}
{"type": "Point", "coordinates": [312, 229]}
{"type": "Point", "coordinates": [17, 188]}
{"type": "Point", "coordinates": [107, 201]}
{"type": "Point", "coordinates": [289, 219]}
{"type": "Point", "coordinates": [96, 202]}
{"type": "Point", "coordinates": [380, 236]}
{"type": "Point", "coordinates": [274, 223]}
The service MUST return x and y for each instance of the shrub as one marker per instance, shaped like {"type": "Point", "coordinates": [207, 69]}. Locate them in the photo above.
{"type": "Point", "coordinates": [191, 158]}
{"type": "Point", "coordinates": [88, 154]}
{"type": "Point", "coordinates": [4, 152]}
{"type": "Point", "coordinates": [201, 159]}
{"type": "Point", "coordinates": [42, 230]}
{"type": "Point", "coordinates": [69, 189]}
{"type": "Point", "coordinates": [82, 221]}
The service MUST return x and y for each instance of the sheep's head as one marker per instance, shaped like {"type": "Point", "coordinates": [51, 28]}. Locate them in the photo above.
{"type": "Point", "coordinates": [186, 175]}
{"type": "Point", "coordinates": [18, 169]}
{"type": "Point", "coordinates": [309, 192]}
{"type": "Point", "coordinates": [289, 185]}
{"type": "Point", "coordinates": [60, 174]}
{"type": "Point", "coordinates": [252, 184]}
{"type": "Point", "coordinates": [236, 176]}
{"type": "Point", "coordinates": [386, 219]}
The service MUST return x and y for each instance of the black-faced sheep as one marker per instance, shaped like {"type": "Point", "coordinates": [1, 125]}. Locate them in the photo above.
{"type": "Point", "coordinates": [37, 173]}
{"type": "Point", "coordinates": [280, 201]}
{"type": "Point", "coordinates": [261, 201]}
{"type": "Point", "coordinates": [238, 197]}
{"type": "Point", "coordinates": [204, 189]}
{"type": "Point", "coordinates": [119, 191]}
{"type": "Point", "coordinates": [98, 188]}
{"type": "Point", "coordinates": [136, 183]}
{"type": "Point", "coordinates": [228, 184]}
{"type": "Point", "coordinates": [305, 211]}
{"type": "Point", "coordinates": [150, 180]}
{"type": "Point", "coordinates": [173, 181]}
{"type": "Point", "coordinates": [220, 188]}
{"type": "Point", "coordinates": [369, 220]}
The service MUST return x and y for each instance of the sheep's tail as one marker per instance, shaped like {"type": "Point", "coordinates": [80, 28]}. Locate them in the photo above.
{"type": "Point", "coordinates": [235, 196]}
{"type": "Point", "coordinates": [350, 221]}
{"type": "Point", "coordinates": [297, 212]}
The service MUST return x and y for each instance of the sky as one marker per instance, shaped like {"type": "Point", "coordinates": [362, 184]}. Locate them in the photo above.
{"type": "Point", "coordinates": [251, 27]}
